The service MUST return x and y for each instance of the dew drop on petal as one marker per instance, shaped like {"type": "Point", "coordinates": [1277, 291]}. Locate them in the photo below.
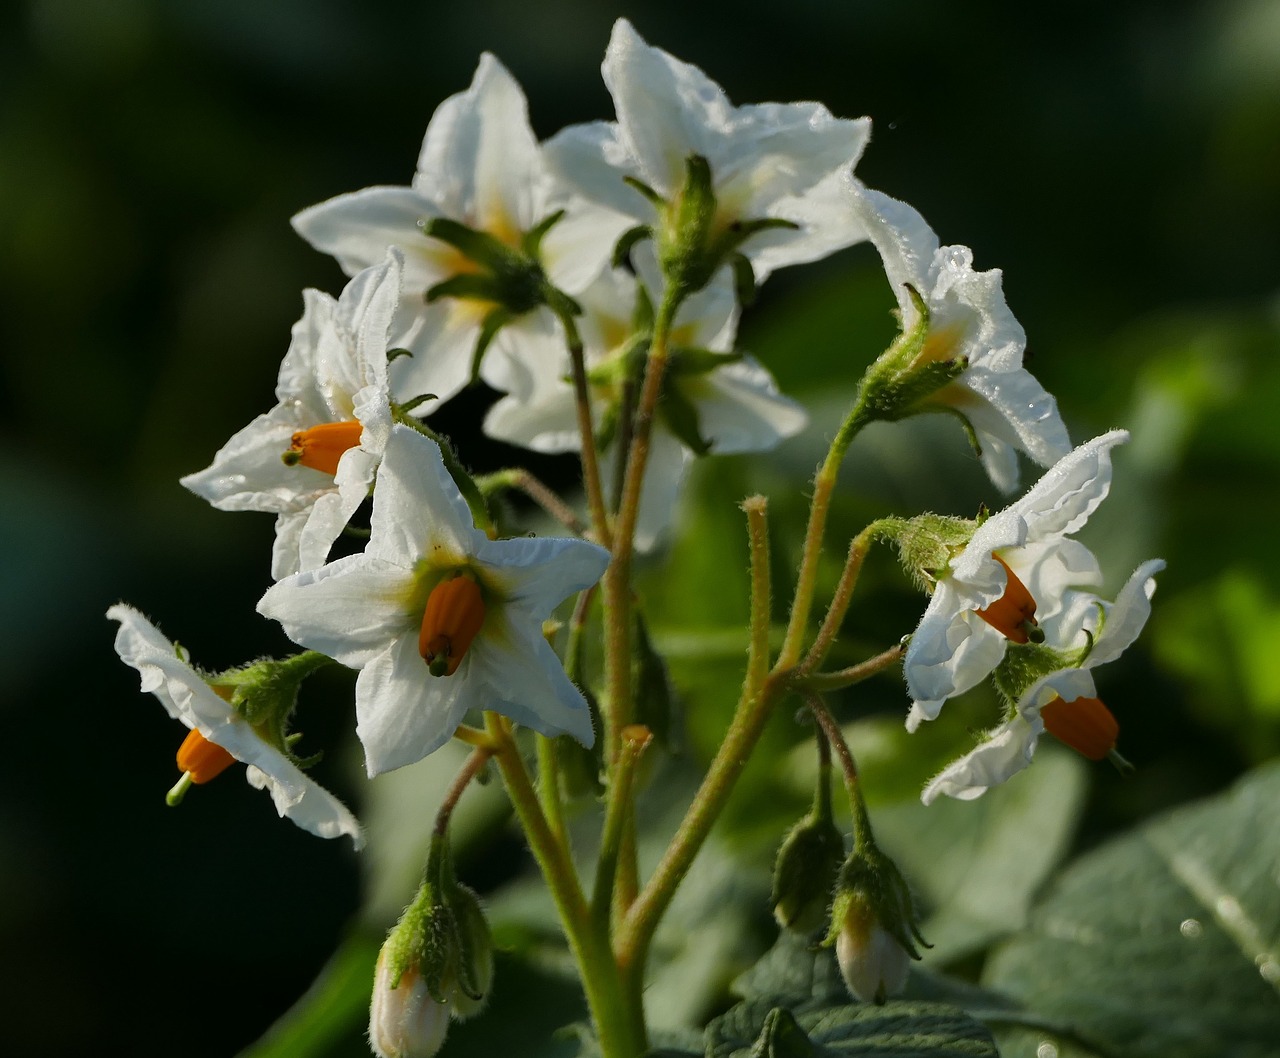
{"type": "Point", "coordinates": [1191, 928]}
{"type": "Point", "coordinates": [1047, 1050]}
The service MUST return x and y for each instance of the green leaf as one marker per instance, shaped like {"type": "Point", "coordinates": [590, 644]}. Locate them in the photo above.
{"type": "Point", "coordinates": [898, 1029]}
{"type": "Point", "coordinates": [1165, 942]}
{"type": "Point", "coordinates": [794, 967]}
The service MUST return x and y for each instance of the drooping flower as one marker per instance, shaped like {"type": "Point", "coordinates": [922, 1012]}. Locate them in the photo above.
{"type": "Point", "coordinates": [1001, 401]}
{"type": "Point", "coordinates": [311, 459]}
{"type": "Point", "coordinates": [769, 162]}
{"type": "Point", "coordinates": [714, 401]}
{"type": "Point", "coordinates": [1064, 702]}
{"type": "Point", "coordinates": [220, 735]}
{"type": "Point", "coordinates": [438, 618]}
{"type": "Point", "coordinates": [1017, 579]}
{"type": "Point", "coordinates": [471, 227]}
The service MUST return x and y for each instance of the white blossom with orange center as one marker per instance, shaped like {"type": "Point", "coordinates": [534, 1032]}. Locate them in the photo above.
{"type": "Point", "coordinates": [428, 647]}
{"type": "Point", "coordinates": [1092, 729]}
{"type": "Point", "coordinates": [1020, 575]}
{"type": "Point", "coordinates": [783, 161]}
{"type": "Point", "coordinates": [219, 732]}
{"type": "Point", "coordinates": [311, 459]}
{"type": "Point", "coordinates": [480, 165]}
{"type": "Point", "coordinates": [1005, 405]}
{"type": "Point", "coordinates": [738, 406]}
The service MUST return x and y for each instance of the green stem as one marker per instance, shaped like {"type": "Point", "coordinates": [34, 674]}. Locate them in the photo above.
{"type": "Point", "coordinates": [834, 681]}
{"type": "Point", "coordinates": [470, 769]}
{"type": "Point", "coordinates": [522, 480]}
{"type": "Point", "coordinates": [824, 484]}
{"type": "Point", "coordinates": [618, 1020]}
{"type": "Point", "coordinates": [635, 739]}
{"type": "Point", "coordinates": [759, 692]}
{"type": "Point", "coordinates": [861, 822]}
{"type": "Point", "coordinates": [549, 794]}
{"type": "Point", "coordinates": [858, 548]}
{"type": "Point", "coordinates": [586, 430]}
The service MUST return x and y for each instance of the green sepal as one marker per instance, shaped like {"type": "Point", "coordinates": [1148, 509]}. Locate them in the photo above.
{"type": "Point", "coordinates": [497, 318]}
{"type": "Point", "coordinates": [265, 693]}
{"type": "Point", "coordinates": [413, 402]}
{"type": "Point", "coordinates": [804, 873]}
{"type": "Point", "coordinates": [477, 246]}
{"type": "Point", "coordinates": [627, 241]}
{"type": "Point", "coordinates": [531, 241]}
{"type": "Point", "coordinates": [926, 543]}
{"type": "Point", "coordinates": [688, 360]}
{"type": "Point", "coordinates": [649, 193]}
{"type": "Point", "coordinates": [681, 418]}
{"type": "Point", "coordinates": [1024, 664]}
{"type": "Point", "coordinates": [870, 880]}
{"type": "Point", "coordinates": [395, 354]}
{"type": "Point", "coordinates": [744, 279]}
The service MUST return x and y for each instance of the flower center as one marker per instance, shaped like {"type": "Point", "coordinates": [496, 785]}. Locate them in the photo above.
{"type": "Point", "coordinates": [1084, 724]}
{"type": "Point", "coordinates": [1013, 615]}
{"type": "Point", "coordinates": [320, 447]}
{"type": "Point", "coordinates": [451, 620]}
{"type": "Point", "coordinates": [201, 759]}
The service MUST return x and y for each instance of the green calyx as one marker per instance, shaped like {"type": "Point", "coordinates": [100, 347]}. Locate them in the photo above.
{"type": "Point", "coordinates": [1024, 664]}
{"type": "Point", "coordinates": [693, 240]}
{"type": "Point", "coordinates": [925, 543]}
{"type": "Point", "coordinates": [265, 693]}
{"type": "Point", "coordinates": [871, 884]}
{"type": "Point", "coordinates": [901, 381]}
{"type": "Point", "coordinates": [510, 279]}
{"type": "Point", "coordinates": [444, 937]}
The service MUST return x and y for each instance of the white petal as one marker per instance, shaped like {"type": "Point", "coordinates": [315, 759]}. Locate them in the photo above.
{"type": "Point", "coordinates": [1071, 490]}
{"type": "Point", "coordinates": [417, 509]}
{"type": "Point", "coordinates": [287, 548]}
{"type": "Point", "coordinates": [533, 575]}
{"type": "Point", "coordinates": [349, 609]}
{"type": "Point", "coordinates": [315, 809]}
{"type": "Point", "coordinates": [296, 384]}
{"type": "Point", "coordinates": [906, 243]}
{"type": "Point", "coordinates": [529, 682]}
{"type": "Point", "coordinates": [1004, 754]}
{"type": "Point", "coordinates": [951, 651]}
{"type": "Point", "coordinates": [1014, 407]}
{"type": "Point", "coordinates": [667, 109]}
{"type": "Point", "coordinates": [442, 341]}
{"type": "Point", "coordinates": [740, 409]}
{"type": "Point", "coordinates": [593, 160]}
{"type": "Point", "coordinates": [248, 474]}
{"type": "Point", "coordinates": [580, 244]}
{"type": "Point", "coordinates": [479, 160]}
{"type": "Point", "coordinates": [547, 423]}
{"type": "Point", "coordinates": [1050, 569]}
{"type": "Point", "coordinates": [826, 222]}
{"type": "Point", "coordinates": [357, 227]}
{"type": "Point", "coordinates": [1126, 617]}
{"type": "Point", "coordinates": [403, 712]}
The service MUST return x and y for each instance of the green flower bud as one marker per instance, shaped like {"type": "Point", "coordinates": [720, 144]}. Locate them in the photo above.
{"type": "Point", "coordinates": [805, 873]}
{"type": "Point", "coordinates": [873, 925]}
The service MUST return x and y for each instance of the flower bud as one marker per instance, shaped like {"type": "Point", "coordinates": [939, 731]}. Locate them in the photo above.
{"type": "Point", "coordinates": [475, 953]}
{"type": "Point", "coordinates": [872, 962]}
{"type": "Point", "coordinates": [873, 925]}
{"type": "Point", "coordinates": [805, 873]}
{"type": "Point", "coordinates": [404, 1020]}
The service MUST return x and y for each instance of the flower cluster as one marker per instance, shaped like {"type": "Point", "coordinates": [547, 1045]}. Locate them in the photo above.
{"type": "Point", "coordinates": [595, 283]}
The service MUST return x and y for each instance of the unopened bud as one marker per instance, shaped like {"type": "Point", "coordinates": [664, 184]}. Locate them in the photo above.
{"type": "Point", "coordinates": [874, 965]}
{"type": "Point", "coordinates": [475, 954]}
{"type": "Point", "coordinates": [805, 873]}
{"type": "Point", "coordinates": [405, 1021]}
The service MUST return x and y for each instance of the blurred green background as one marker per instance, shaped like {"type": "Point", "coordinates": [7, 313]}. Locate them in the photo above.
{"type": "Point", "coordinates": [1117, 160]}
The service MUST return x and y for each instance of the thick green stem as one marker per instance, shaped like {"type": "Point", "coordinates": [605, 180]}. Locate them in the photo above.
{"type": "Point", "coordinates": [759, 693]}
{"type": "Point", "coordinates": [618, 1020]}
{"type": "Point", "coordinates": [618, 811]}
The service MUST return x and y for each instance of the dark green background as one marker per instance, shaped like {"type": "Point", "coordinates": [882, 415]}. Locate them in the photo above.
{"type": "Point", "coordinates": [1118, 161]}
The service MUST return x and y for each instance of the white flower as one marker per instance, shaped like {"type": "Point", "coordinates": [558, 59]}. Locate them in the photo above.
{"type": "Point", "coordinates": [188, 697]}
{"type": "Point", "coordinates": [1021, 569]}
{"type": "Point", "coordinates": [737, 404]}
{"type": "Point", "coordinates": [787, 161]}
{"type": "Point", "coordinates": [480, 165]}
{"type": "Point", "coordinates": [1064, 702]}
{"type": "Point", "coordinates": [404, 1020]}
{"type": "Point", "coordinates": [312, 458]}
{"type": "Point", "coordinates": [1007, 408]}
{"type": "Point", "coordinates": [432, 594]}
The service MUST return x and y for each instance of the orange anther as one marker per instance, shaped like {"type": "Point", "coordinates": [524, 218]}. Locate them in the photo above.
{"type": "Point", "coordinates": [451, 620]}
{"type": "Point", "coordinates": [1084, 724]}
{"type": "Point", "coordinates": [320, 447]}
{"type": "Point", "coordinates": [201, 759]}
{"type": "Point", "coordinates": [1013, 615]}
